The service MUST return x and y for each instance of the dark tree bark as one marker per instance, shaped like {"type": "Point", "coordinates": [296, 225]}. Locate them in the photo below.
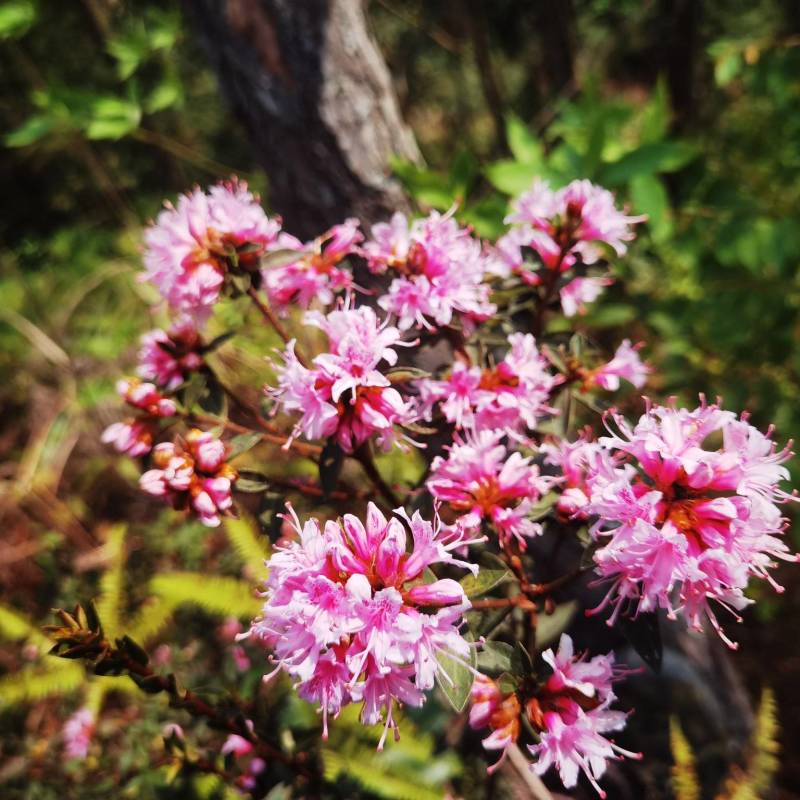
{"type": "Point", "coordinates": [312, 89]}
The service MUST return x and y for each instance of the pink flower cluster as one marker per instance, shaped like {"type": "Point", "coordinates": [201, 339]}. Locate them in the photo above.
{"type": "Point", "coordinates": [189, 247]}
{"type": "Point", "coordinates": [438, 270]}
{"type": "Point", "coordinates": [686, 522]}
{"type": "Point", "coordinates": [344, 394]}
{"type": "Point", "coordinates": [135, 436]}
{"type": "Point", "coordinates": [512, 395]}
{"type": "Point", "coordinates": [626, 365]}
{"type": "Point", "coordinates": [316, 273]}
{"type": "Point", "coordinates": [168, 357]}
{"type": "Point", "coordinates": [348, 615]}
{"type": "Point", "coordinates": [497, 710]}
{"type": "Point", "coordinates": [192, 472]}
{"type": "Point", "coordinates": [571, 713]}
{"type": "Point", "coordinates": [564, 229]}
{"type": "Point", "coordinates": [482, 479]}
{"type": "Point", "coordinates": [77, 733]}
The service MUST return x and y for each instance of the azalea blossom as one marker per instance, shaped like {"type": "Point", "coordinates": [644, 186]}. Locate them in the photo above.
{"type": "Point", "coordinates": [347, 615]}
{"type": "Point", "coordinates": [438, 270]}
{"type": "Point", "coordinates": [579, 291]}
{"type": "Point", "coordinates": [190, 246]}
{"type": "Point", "coordinates": [344, 393]}
{"type": "Point", "coordinates": [192, 473]}
{"type": "Point", "coordinates": [573, 220]}
{"type": "Point", "coordinates": [626, 364]}
{"type": "Point", "coordinates": [688, 522]}
{"type": "Point", "coordinates": [316, 274]}
{"type": "Point", "coordinates": [135, 436]}
{"type": "Point", "coordinates": [513, 395]}
{"type": "Point", "coordinates": [77, 733]}
{"type": "Point", "coordinates": [575, 462]}
{"type": "Point", "coordinates": [168, 357]}
{"type": "Point", "coordinates": [497, 710]}
{"type": "Point", "coordinates": [481, 478]}
{"type": "Point", "coordinates": [571, 714]}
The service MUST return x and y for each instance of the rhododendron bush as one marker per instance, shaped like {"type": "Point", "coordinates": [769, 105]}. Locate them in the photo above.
{"type": "Point", "coordinates": [467, 363]}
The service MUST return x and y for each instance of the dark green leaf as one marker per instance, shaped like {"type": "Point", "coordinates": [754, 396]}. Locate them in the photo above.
{"type": "Point", "coordinates": [550, 626]}
{"type": "Point", "coordinates": [251, 482]}
{"type": "Point", "coordinates": [455, 678]}
{"type": "Point", "coordinates": [496, 657]}
{"type": "Point", "coordinates": [242, 443]}
{"type": "Point", "coordinates": [647, 160]}
{"type": "Point", "coordinates": [213, 400]}
{"type": "Point", "coordinates": [644, 634]}
{"type": "Point", "coordinates": [486, 579]}
{"type": "Point", "coordinates": [330, 466]}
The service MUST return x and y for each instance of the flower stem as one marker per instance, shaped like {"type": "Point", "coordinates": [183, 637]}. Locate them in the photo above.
{"type": "Point", "coordinates": [271, 317]}
{"type": "Point", "coordinates": [364, 457]}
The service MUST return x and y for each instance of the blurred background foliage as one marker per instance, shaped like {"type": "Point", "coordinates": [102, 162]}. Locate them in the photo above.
{"type": "Point", "coordinates": [690, 111]}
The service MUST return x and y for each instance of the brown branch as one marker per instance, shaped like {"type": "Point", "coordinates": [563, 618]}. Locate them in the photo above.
{"type": "Point", "coordinates": [272, 318]}
{"type": "Point", "coordinates": [364, 457]}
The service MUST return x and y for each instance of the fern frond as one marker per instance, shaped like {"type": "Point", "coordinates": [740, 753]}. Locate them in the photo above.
{"type": "Point", "coordinates": [152, 617]}
{"type": "Point", "coordinates": [213, 593]}
{"type": "Point", "coordinates": [35, 681]}
{"type": "Point", "coordinates": [13, 627]}
{"type": "Point", "coordinates": [252, 548]}
{"type": "Point", "coordinates": [373, 772]}
{"type": "Point", "coordinates": [684, 773]}
{"type": "Point", "coordinates": [755, 781]}
{"type": "Point", "coordinates": [110, 602]}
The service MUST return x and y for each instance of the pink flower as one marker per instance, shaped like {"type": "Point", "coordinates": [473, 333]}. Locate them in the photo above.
{"type": "Point", "coordinates": [625, 364]}
{"type": "Point", "coordinates": [237, 746]}
{"type": "Point", "coordinates": [571, 714]}
{"type": "Point", "coordinates": [169, 357]}
{"type": "Point", "coordinates": [190, 246]}
{"type": "Point", "coordinates": [574, 219]}
{"type": "Point", "coordinates": [580, 291]}
{"type": "Point", "coordinates": [479, 477]}
{"type": "Point", "coordinates": [344, 612]}
{"type": "Point", "coordinates": [133, 437]}
{"type": "Point", "coordinates": [513, 395]}
{"type": "Point", "coordinates": [438, 270]}
{"type": "Point", "coordinates": [316, 274]}
{"type": "Point", "coordinates": [499, 711]}
{"type": "Point", "coordinates": [575, 460]}
{"type": "Point", "coordinates": [146, 397]}
{"type": "Point", "coordinates": [688, 523]}
{"type": "Point", "coordinates": [344, 394]}
{"type": "Point", "coordinates": [192, 473]}
{"type": "Point", "coordinates": [77, 733]}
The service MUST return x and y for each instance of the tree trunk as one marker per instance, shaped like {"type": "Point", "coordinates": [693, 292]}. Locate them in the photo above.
{"type": "Point", "coordinates": [312, 89]}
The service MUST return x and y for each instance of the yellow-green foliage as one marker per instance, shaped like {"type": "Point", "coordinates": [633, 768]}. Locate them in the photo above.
{"type": "Point", "coordinates": [110, 601]}
{"type": "Point", "coordinates": [37, 681]}
{"type": "Point", "coordinates": [405, 770]}
{"type": "Point", "coordinates": [213, 593]}
{"type": "Point", "coordinates": [249, 546]}
{"type": "Point", "coordinates": [750, 783]}
{"type": "Point", "coordinates": [684, 775]}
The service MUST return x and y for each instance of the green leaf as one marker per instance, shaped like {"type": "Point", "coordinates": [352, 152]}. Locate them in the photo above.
{"type": "Point", "coordinates": [36, 681]}
{"type": "Point", "coordinates": [728, 67]}
{"type": "Point", "coordinates": [496, 658]}
{"type": "Point", "coordinates": [251, 482]}
{"type": "Point", "coordinates": [32, 130]}
{"type": "Point", "coordinates": [113, 118]}
{"type": "Point", "coordinates": [242, 443]}
{"type": "Point", "coordinates": [550, 626]}
{"type": "Point", "coordinates": [648, 159]}
{"type": "Point", "coordinates": [166, 94]}
{"type": "Point", "coordinates": [486, 579]}
{"type": "Point", "coordinates": [280, 258]}
{"type": "Point", "coordinates": [214, 593]}
{"type": "Point", "coordinates": [13, 627]}
{"type": "Point", "coordinates": [649, 196]}
{"type": "Point", "coordinates": [512, 177]}
{"type": "Point", "coordinates": [525, 147]}
{"type": "Point", "coordinates": [16, 18]}
{"type": "Point", "coordinates": [455, 678]}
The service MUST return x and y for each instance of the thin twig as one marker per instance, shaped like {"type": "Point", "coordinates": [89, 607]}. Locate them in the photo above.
{"type": "Point", "coordinates": [271, 317]}
{"type": "Point", "coordinates": [364, 457]}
